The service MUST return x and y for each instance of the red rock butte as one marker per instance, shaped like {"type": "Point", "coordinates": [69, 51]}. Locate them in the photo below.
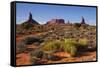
{"type": "Point", "coordinates": [56, 21]}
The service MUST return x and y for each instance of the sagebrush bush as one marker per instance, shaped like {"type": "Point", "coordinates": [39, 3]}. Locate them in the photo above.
{"type": "Point", "coordinates": [37, 53]}
{"type": "Point", "coordinates": [18, 31]}
{"type": "Point", "coordinates": [21, 47]}
{"type": "Point", "coordinates": [66, 45]}
{"type": "Point", "coordinates": [57, 45]}
{"type": "Point", "coordinates": [77, 25]}
{"type": "Point", "coordinates": [37, 56]}
{"type": "Point", "coordinates": [70, 41]}
{"type": "Point", "coordinates": [52, 46]}
{"type": "Point", "coordinates": [27, 26]}
{"type": "Point", "coordinates": [30, 40]}
{"type": "Point", "coordinates": [82, 45]}
{"type": "Point", "coordinates": [83, 42]}
{"type": "Point", "coordinates": [70, 47]}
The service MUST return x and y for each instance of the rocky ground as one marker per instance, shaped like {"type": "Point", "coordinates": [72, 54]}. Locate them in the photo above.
{"type": "Point", "coordinates": [25, 58]}
{"type": "Point", "coordinates": [58, 32]}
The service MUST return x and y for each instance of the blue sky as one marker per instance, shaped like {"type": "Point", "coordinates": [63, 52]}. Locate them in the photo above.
{"type": "Point", "coordinates": [43, 13]}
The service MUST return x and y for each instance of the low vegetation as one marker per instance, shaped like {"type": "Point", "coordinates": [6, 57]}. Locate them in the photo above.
{"type": "Point", "coordinates": [27, 26]}
{"type": "Point", "coordinates": [31, 40]}
{"type": "Point", "coordinates": [52, 46]}
{"type": "Point", "coordinates": [55, 41]}
{"type": "Point", "coordinates": [67, 45]}
{"type": "Point", "coordinates": [20, 47]}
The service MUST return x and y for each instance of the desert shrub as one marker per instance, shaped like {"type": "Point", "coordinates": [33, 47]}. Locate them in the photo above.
{"type": "Point", "coordinates": [36, 62]}
{"type": "Point", "coordinates": [38, 28]}
{"type": "Point", "coordinates": [83, 42]}
{"type": "Point", "coordinates": [70, 47]}
{"type": "Point", "coordinates": [73, 50]}
{"type": "Point", "coordinates": [77, 25]}
{"type": "Point", "coordinates": [18, 31]}
{"type": "Point", "coordinates": [57, 45]}
{"type": "Point", "coordinates": [66, 45]}
{"type": "Point", "coordinates": [30, 40]}
{"type": "Point", "coordinates": [21, 47]}
{"type": "Point", "coordinates": [37, 56]}
{"type": "Point", "coordinates": [84, 26]}
{"type": "Point", "coordinates": [70, 41]}
{"type": "Point", "coordinates": [27, 26]}
{"type": "Point", "coordinates": [37, 53]}
{"type": "Point", "coordinates": [53, 58]}
{"type": "Point", "coordinates": [52, 46]}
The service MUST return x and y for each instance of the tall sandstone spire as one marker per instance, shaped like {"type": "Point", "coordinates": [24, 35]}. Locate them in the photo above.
{"type": "Point", "coordinates": [83, 21]}
{"type": "Point", "coordinates": [30, 16]}
{"type": "Point", "coordinates": [31, 20]}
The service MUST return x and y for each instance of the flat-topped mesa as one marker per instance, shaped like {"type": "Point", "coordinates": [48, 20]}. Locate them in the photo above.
{"type": "Point", "coordinates": [56, 21]}
{"type": "Point", "coordinates": [31, 20]}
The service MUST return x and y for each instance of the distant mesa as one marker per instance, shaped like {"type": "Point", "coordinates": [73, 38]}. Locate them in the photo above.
{"type": "Point", "coordinates": [56, 21]}
{"type": "Point", "coordinates": [31, 20]}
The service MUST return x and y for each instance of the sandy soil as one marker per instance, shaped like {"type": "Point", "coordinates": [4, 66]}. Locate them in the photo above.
{"type": "Point", "coordinates": [24, 58]}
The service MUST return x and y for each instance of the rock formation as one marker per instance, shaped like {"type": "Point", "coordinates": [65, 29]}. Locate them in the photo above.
{"type": "Point", "coordinates": [83, 21]}
{"type": "Point", "coordinates": [31, 20]}
{"type": "Point", "coordinates": [56, 21]}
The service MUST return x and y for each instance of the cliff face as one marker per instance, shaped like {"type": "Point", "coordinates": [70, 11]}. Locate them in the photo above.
{"type": "Point", "coordinates": [56, 21]}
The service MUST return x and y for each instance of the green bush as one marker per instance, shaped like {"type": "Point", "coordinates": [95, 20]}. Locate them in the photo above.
{"type": "Point", "coordinates": [70, 47]}
{"type": "Point", "coordinates": [70, 41]}
{"type": "Point", "coordinates": [82, 45]}
{"type": "Point", "coordinates": [52, 46]}
{"type": "Point", "coordinates": [83, 42]}
{"type": "Point", "coordinates": [57, 45]}
{"type": "Point", "coordinates": [66, 45]}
